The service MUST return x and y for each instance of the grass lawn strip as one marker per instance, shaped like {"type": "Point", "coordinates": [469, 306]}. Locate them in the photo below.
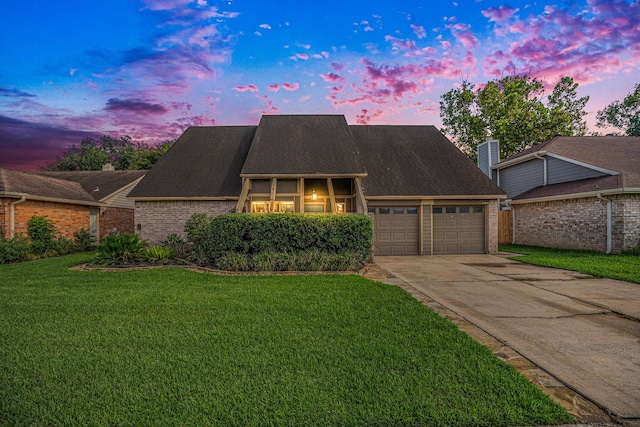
{"type": "Point", "coordinates": [620, 267]}
{"type": "Point", "coordinates": [171, 346]}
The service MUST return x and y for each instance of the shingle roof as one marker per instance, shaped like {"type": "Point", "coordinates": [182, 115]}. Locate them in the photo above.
{"type": "Point", "coordinates": [303, 145]}
{"type": "Point", "coordinates": [43, 186]}
{"type": "Point", "coordinates": [203, 162]}
{"type": "Point", "coordinates": [399, 160]}
{"type": "Point", "coordinates": [589, 185]}
{"type": "Point", "coordinates": [99, 184]}
{"type": "Point", "coordinates": [417, 160]}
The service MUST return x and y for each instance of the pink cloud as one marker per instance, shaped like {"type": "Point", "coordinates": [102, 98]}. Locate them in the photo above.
{"type": "Point", "coordinates": [250, 88]}
{"type": "Point", "coordinates": [304, 98]}
{"type": "Point", "coordinates": [302, 56]}
{"type": "Point", "coordinates": [499, 14]}
{"type": "Point", "coordinates": [419, 31]}
{"type": "Point", "coordinates": [332, 77]}
{"type": "Point", "coordinates": [290, 86]}
{"type": "Point", "coordinates": [274, 87]}
{"type": "Point", "coordinates": [463, 33]}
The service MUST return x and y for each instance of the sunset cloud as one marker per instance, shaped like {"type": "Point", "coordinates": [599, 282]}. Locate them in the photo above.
{"type": "Point", "coordinates": [250, 88]}
{"type": "Point", "coordinates": [290, 86]}
{"type": "Point", "coordinates": [134, 106]}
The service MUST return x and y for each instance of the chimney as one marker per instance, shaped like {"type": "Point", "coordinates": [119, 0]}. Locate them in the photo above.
{"type": "Point", "coordinates": [108, 167]}
{"type": "Point", "coordinates": [488, 155]}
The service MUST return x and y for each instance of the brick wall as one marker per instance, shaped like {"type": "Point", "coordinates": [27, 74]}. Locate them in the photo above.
{"type": "Point", "coordinates": [118, 220]}
{"type": "Point", "coordinates": [579, 223]}
{"type": "Point", "coordinates": [4, 217]}
{"type": "Point", "coordinates": [158, 219]}
{"type": "Point", "coordinates": [67, 218]}
{"type": "Point", "coordinates": [492, 227]}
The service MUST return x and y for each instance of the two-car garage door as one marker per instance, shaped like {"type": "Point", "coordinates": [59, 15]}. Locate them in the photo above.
{"type": "Point", "coordinates": [456, 230]}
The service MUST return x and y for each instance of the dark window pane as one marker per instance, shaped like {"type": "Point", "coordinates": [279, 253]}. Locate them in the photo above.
{"type": "Point", "coordinates": [372, 210]}
{"type": "Point", "coordinates": [477, 209]}
{"type": "Point", "coordinates": [464, 209]}
{"type": "Point", "coordinates": [437, 210]}
{"type": "Point", "coordinates": [383, 210]}
{"type": "Point", "coordinates": [451, 210]}
{"type": "Point", "coordinates": [412, 211]}
{"type": "Point", "coordinates": [398, 211]}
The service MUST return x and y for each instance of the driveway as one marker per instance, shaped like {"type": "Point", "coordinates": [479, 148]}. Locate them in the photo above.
{"type": "Point", "coordinates": [584, 331]}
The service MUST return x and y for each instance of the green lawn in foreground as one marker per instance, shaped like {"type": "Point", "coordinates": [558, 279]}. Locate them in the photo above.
{"type": "Point", "coordinates": [167, 347]}
{"type": "Point", "coordinates": [621, 267]}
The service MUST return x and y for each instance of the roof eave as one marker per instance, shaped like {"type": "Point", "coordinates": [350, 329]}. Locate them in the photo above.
{"type": "Point", "coordinates": [518, 160]}
{"type": "Point", "coordinates": [50, 199]}
{"type": "Point", "coordinates": [178, 198]}
{"type": "Point", "coordinates": [446, 197]}
{"type": "Point", "coordinates": [611, 192]}
{"type": "Point", "coordinates": [302, 175]}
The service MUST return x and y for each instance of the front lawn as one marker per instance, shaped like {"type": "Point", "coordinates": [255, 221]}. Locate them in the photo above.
{"type": "Point", "coordinates": [621, 267]}
{"type": "Point", "coordinates": [171, 346]}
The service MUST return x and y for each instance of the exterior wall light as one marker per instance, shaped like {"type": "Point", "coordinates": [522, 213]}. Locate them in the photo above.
{"type": "Point", "coordinates": [314, 196]}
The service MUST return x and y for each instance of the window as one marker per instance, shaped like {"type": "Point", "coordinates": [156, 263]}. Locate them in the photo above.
{"type": "Point", "coordinates": [464, 209]}
{"type": "Point", "coordinates": [477, 209]}
{"type": "Point", "coordinates": [437, 210]}
{"type": "Point", "coordinates": [339, 207]}
{"type": "Point", "coordinates": [284, 207]}
{"type": "Point", "coordinates": [384, 211]}
{"type": "Point", "coordinates": [450, 210]}
{"type": "Point", "coordinates": [260, 207]}
{"type": "Point", "coordinates": [314, 207]}
{"type": "Point", "coordinates": [412, 211]}
{"type": "Point", "coordinates": [372, 210]}
{"type": "Point", "coordinates": [398, 211]}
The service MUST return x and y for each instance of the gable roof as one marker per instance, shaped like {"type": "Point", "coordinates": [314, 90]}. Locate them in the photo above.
{"type": "Point", "coordinates": [99, 184]}
{"type": "Point", "coordinates": [204, 162]}
{"type": "Point", "coordinates": [209, 162]}
{"type": "Point", "coordinates": [16, 184]}
{"type": "Point", "coordinates": [77, 187]}
{"type": "Point", "coordinates": [417, 161]}
{"type": "Point", "coordinates": [303, 145]}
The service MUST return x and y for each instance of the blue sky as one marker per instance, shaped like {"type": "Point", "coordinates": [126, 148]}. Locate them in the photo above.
{"type": "Point", "coordinates": [151, 68]}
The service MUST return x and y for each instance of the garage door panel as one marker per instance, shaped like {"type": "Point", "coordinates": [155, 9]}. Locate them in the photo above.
{"type": "Point", "coordinates": [396, 231]}
{"type": "Point", "coordinates": [458, 230]}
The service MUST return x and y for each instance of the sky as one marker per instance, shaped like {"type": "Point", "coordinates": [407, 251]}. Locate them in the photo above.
{"type": "Point", "coordinates": [71, 69]}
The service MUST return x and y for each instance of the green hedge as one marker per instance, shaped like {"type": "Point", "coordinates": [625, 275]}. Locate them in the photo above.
{"type": "Point", "coordinates": [257, 233]}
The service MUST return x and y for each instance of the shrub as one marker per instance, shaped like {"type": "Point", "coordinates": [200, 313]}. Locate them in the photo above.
{"type": "Point", "coordinates": [158, 253]}
{"type": "Point", "coordinates": [83, 240]}
{"type": "Point", "coordinates": [122, 248]}
{"type": "Point", "coordinates": [13, 250]}
{"type": "Point", "coordinates": [42, 232]}
{"type": "Point", "coordinates": [232, 261]}
{"type": "Point", "coordinates": [292, 233]}
{"type": "Point", "coordinates": [176, 243]}
{"type": "Point", "coordinates": [264, 261]}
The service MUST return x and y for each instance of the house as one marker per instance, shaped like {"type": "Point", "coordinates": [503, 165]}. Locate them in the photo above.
{"type": "Point", "coordinates": [93, 200]}
{"type": "Point", "coordinates": [578, 192]}
{"type": "Point", "coordinates": [424, 195]}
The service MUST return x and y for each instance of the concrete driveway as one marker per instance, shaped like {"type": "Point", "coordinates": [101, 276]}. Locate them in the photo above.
{"type": "Point", "coordinates": [584, 331]}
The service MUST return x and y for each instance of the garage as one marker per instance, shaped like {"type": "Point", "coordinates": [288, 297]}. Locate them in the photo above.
{"type": "Point", "coordinates": [458, 230]}
{"type": "Point", "coordinates": [395, 230]}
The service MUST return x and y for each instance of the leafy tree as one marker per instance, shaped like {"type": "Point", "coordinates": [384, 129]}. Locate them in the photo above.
{"type": "Point", "coordinates": [512, 110]}
{"type": "Point", "coordinates": [122, 153]}
{"type": "Point", "coordinates": [624, 115]}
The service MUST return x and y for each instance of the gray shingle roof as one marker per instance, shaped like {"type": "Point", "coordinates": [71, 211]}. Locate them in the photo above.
{"type": "Point", "coordinates": [303, 145]}
{"type": "Point", "coordinates": [99, 184]}
{"type": "Point", "coordinates": [43, 186]}
{"type": "Point", "coordinates": [399, 160]}
{"type": "Point", "coordinates": [203, 162]}
{"type": "Point", "coordinates": [417, 160]}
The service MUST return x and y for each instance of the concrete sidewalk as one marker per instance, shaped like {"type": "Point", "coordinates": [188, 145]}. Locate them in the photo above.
{"type": "Point", "coordinates": [582, 330]}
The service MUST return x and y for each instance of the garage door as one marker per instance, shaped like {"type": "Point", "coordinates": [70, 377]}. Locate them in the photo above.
{"type": "Point", "coordinates": [395, 230]}
{"type": "Point", "coordinates": [458, 230]}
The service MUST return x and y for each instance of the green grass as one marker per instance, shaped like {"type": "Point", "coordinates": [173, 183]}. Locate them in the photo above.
{"type": "Point", "coordinates": [621, 267]}
{"type": "Point", "coordinates": [169, 347]}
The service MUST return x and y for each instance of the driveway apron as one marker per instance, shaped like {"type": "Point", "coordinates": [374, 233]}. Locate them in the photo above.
{"type": "Point", "coordinates": [584, 331]}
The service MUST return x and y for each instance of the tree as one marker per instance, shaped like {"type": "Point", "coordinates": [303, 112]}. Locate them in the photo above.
{"type": "Point", "coordinates": [513, 111]}
{"type": "Point", "coordinates": [122, 153]}
{"type": "Point", "coordinates": [624, 115]}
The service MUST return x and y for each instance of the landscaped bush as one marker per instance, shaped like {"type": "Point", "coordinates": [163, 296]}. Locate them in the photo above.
{"type": "Point", "coordinates": [42, 232]}
{"type": "Point", "coordinates": [125, 248]}
{"type": "Point", "coordinates": [83, 240]}
{"type": "Point", "coordinates": [279, 233]}
{"type": "Point", "coordinates": [158, 253]}
{"type": "Point", "coordinates": [312, 260]}
{"type": "Point", "coordinates": [14, 250]}
{"type": "Point", "coordinates": [177, 244]}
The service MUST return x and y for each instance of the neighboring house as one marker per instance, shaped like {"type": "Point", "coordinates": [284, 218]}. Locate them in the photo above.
{"type": "Point", "coordinates": [93, 200]}
{"type": "Point", "coordinates": [572, 192]}
{"type": "Point", "coordinates": [424, 195]}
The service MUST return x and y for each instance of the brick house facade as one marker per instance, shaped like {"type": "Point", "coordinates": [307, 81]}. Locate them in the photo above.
{"type": "Point", "coordinates": [91, 200]}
